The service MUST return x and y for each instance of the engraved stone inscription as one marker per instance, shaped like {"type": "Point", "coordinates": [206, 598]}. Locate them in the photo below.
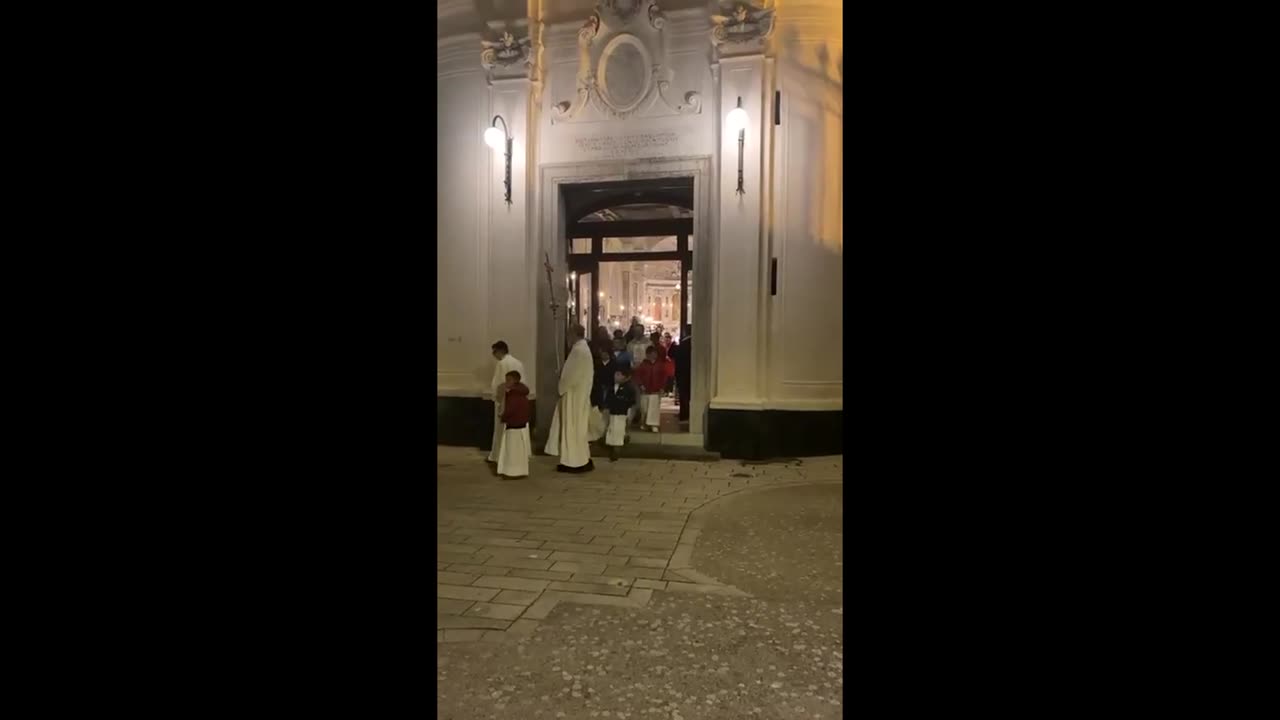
{"type": "Point", "coordinates": [625, 146]}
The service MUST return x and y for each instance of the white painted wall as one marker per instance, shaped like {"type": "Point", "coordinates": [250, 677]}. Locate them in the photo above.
{"type": "Point", "coordinates": [512, 263]}
{"type": "Point", "coordinates": [687, 51]}
{"type": "Point", "coordinates": [760, 351]}
{"type": "Point", "coordinates": [739, 331]}
{"type": "Point", "coordinates": [483, 253]}
{"type": "Point", "coordinates": [462, 258]}
{"type": "Point", "coordinates": [806, 325]}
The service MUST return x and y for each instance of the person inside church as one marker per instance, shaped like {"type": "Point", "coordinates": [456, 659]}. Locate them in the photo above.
{"type": "Point", "coordinates": [664, 359]}
{"type": "Point", "coordinates": [637, 342]}
{"type": "Point", "coordinates": [683, 356]}
{"type": "Point", "coordinates": [513, 461]}
{"type": "Point", "coordinates": [669, 390]}
{"type": "Point", "coordinates": [600, 340]}
{"type": "Point", "coordinates": [604, 367]}
{"type": "Point", "coordinates": [568, 438]}
{"type": "Point", "coordinates": [506, 363]}
{"type": "Point", "coordinates": [651, 377]}
{"type": "Point", "coordinates": [621, 356]}
{"type": "Point", "coordinates": [655, 342]}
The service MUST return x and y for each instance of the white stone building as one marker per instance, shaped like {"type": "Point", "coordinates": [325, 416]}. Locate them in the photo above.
{"type": "Point", "coordinates": [627, 173]}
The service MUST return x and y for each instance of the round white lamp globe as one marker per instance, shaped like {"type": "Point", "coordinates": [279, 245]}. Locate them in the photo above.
{"type": "Point", "coordinates": [494, 138]}
{"type": "Point", "coordinates": [737, 119]}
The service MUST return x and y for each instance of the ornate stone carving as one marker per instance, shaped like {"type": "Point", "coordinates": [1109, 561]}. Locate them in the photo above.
{"type": "Point", "coordinates": [743, 24]}
{"type": "Point", "coordinates": [623, 9]}
{"type": "Point", "coordinates": [655, 17]}
{"type": "Point", "coordinates": [589, 30]}
{"type": "Point", "coordinates": [505, 52]}
{"type": "Point", "coordinates": [621, 66]}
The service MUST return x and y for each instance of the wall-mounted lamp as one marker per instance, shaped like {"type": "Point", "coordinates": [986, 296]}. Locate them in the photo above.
{"type": "Point", "coordinates": [737, 120]}
{"type": "Point", "coordinates": [501, 140]}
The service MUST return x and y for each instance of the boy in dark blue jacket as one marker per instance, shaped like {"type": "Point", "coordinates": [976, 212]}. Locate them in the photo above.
{"type": "Point", "coordinates": [619, 399]}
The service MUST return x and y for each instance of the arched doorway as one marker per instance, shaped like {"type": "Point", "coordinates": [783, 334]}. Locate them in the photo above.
{"type": "Point", "coordinates": [629, 246]}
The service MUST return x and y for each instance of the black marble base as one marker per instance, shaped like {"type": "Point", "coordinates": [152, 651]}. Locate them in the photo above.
{"type": "Point", "coordinates": [765, 434]}
{"type": "Point", "coordinates": [468, 421]}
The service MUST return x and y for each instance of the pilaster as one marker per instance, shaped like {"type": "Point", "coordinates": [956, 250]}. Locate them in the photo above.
{"type": "Point", "coordinates": [741, 247]}
{"type": "Point", "coordinates": [506, 59]}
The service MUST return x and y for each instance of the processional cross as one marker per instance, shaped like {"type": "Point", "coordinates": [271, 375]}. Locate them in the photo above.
{"type": "Point", "coordinates": [555, 308]}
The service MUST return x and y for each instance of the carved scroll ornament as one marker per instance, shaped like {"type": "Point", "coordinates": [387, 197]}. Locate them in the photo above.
{"type": "Point", "coordinates": [744, 24]}
{"type": "Point", "coordinates": [620, 66]}
{"type": "Point", "coordinates": [504, 53]}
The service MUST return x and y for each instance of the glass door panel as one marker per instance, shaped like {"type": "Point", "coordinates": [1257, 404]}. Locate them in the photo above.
{"type": "Point", "coordinates": [688, 302]}
{"type": "Point", "coordinates": [582, 300]}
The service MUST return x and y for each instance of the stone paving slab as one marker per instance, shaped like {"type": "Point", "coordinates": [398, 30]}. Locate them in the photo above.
{"type": "Point", "coordinates": [519, 563]}
{"type": "Point", "coordinates": [469, 622]}
{"type": "Point", "coordinates": [509, 552]}
{"type": "Point", "coordinates": [495, 611]}
{"type": "Point", "coordinates": [600, 589]}
{"type": "Point", "coordinates": [446, 606]}
{"type": "Point", "coordinates": [516, 597]}
{"type": "Point", "coordinates": [638, 572]}
{"type": "Point", "coordinates": [511, 583]}
{"type": "Point", "coordinates": [455, 592]}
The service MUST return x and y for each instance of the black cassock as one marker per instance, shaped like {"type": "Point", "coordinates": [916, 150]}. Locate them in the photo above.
{"type": "Point", "coordinates": [683, 357]}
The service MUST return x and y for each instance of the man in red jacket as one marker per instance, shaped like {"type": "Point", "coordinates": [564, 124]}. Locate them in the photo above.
{"type": "Point", "coordinates": [513, 459]}
{"type": "Point", "coordinates": [651, 376]}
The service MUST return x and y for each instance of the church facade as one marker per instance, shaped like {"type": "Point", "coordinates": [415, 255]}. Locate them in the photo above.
{"type": "Point", "coordinates": [678, 162]}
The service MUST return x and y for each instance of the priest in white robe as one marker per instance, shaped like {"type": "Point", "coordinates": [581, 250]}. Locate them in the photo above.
{"type": "Point", "coordinates": [497, 388]}
{"type": "Point", "coordinates": [568, 438]}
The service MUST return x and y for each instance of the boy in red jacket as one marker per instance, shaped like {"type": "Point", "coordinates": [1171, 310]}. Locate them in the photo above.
{"type": "Point", "coordinates": [513, 459]}
{"type": "Point", "coordinates": [651, 376]}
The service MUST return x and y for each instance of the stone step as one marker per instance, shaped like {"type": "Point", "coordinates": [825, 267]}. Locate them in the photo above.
{"type": "Point", "coordinates": [653, 451]}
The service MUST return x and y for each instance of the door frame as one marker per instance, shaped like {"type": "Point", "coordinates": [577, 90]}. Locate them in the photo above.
{"type": "Point", "coordinates": [589, 263]}
{"type": "Point", "coordinates": [549, 240]}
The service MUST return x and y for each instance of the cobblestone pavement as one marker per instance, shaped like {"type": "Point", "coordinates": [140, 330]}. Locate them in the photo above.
{"type": "Point", "coordinates": [628, 592]}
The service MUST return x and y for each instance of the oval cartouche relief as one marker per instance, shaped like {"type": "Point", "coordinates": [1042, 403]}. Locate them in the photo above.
{"type": "Point", "coordinates": [625, 73]}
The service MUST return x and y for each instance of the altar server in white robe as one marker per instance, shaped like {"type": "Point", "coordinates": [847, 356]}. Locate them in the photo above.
{"type": "Point", "coordinates": [651, 377]}
{"type": "Point", "coordinates": [516, 449]}
{"type": "Point", "coordinates": [506, 363]}
{"type": "Point", "coordinates": [568, 438]}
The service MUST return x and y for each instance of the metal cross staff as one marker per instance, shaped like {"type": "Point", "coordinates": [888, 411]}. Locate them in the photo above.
{"type": "Point", "coordinates": [555, 307]}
